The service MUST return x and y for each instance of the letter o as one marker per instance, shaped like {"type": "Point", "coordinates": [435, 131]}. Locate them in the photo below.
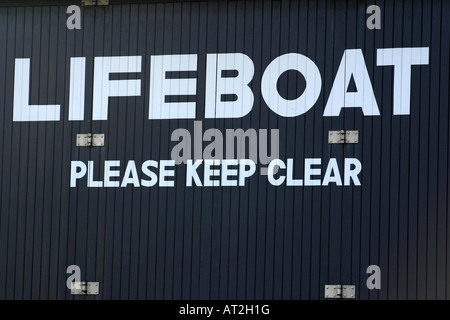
{"type": "Point", "coordinates": [296, 107]}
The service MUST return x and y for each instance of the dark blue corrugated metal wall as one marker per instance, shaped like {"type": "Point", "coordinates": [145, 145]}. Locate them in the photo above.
{"type": "Point", "coordinates": [252, 242]}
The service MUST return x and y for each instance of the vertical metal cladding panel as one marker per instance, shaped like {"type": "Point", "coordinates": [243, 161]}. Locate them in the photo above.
{"type": "Point", "coordinates": [257, 241]}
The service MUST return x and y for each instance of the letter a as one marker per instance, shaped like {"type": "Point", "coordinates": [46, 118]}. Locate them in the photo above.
{"type": "Point", "coordinates": [352, 65]}
{"type": "Point", "coordinates": [74, 21]}
{"type": "Point", "coordinates": [373, 282]}
{"type": "Point", "coordinates": [75, 277]}
{"type": "Point", "coordinates": [374, 21]}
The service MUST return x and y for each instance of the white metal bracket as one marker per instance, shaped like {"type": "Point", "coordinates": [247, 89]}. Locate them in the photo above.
{"type": "Point", "coordinates": [343, 136]}
{"type": "Point", "coordinates": [337, 291]}
{"type": "Point", "coordinates": [84, 288]}
{"type": "Point", "coordinates": [90, 140]}
{"type": "Point", "coordinates": [94, 2]}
